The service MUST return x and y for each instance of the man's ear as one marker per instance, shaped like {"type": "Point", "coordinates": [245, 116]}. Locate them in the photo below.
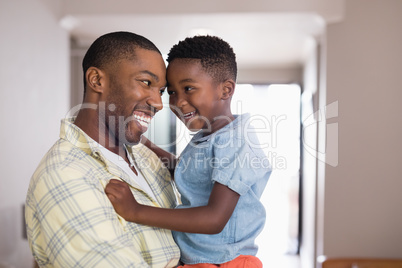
{"type": "Point", "coordinates": [95, 79]}
{"type": "Point", "coordinates": [228, 88]}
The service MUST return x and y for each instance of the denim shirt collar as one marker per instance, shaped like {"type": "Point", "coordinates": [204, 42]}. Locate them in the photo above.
{"type": "Point", "coordinates": [239, 121]}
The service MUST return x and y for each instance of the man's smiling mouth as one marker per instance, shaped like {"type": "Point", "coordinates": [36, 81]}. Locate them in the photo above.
{"type": "Point", "coordinates": [143, 118]}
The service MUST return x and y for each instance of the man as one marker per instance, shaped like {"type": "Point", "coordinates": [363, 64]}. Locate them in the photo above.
{"type": "Point", "coordinates": [70, 221]}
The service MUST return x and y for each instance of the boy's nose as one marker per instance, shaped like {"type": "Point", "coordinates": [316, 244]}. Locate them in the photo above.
{"type": "Point", "coordinates": [180, 102]}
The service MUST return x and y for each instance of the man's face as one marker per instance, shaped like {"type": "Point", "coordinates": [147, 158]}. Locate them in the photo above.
{"type": "Point", "coordinates": [194, 96]}
{"type": "Point", "coordinates": [134, 95]}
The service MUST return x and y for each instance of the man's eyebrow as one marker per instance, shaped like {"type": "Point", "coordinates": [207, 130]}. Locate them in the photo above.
{"type": "Point", "coordinates": [154, 76]}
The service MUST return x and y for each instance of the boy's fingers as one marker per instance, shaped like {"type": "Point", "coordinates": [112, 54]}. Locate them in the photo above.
{"type": "Point", "coordinates": [111, 197]}
{"type": "Point", "coordinates": [114, 181]}
{"type": "Point", "coordinates": [118, 184]}
{"type": "Point", "coordinates": [110, 189]}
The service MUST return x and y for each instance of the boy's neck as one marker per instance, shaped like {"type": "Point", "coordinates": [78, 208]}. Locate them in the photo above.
{"type": "Point", "coordinates": [218, 123]}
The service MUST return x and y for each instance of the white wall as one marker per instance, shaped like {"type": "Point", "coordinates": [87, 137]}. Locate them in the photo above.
{"type": "Point", "coordinates": [270, 75]}
{"type": "Point", "coordinates": [363, 215]}
{"type": "Point", "coordinates": [34, 95]}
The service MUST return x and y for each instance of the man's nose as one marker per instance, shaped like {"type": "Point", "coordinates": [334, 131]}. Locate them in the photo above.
{"type": "Point", "coordinates": [155, 101]}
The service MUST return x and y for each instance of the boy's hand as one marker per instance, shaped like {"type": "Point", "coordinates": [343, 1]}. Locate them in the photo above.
{"type": "Point", "coordinates": [122, 199]}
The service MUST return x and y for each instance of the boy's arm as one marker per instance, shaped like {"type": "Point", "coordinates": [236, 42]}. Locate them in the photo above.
{"type": "Point", "coordinates": [168, 159]}
{"type": "Point", "coordinates": [209, 219]}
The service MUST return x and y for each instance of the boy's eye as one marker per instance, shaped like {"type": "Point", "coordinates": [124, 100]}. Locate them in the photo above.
{"type": "Point", "coordinates": [188, 88]}
{"type": "Point", "coordinates": [170, 92]}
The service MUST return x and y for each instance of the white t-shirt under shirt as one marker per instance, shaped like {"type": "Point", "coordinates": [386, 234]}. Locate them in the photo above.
{"type": "Point", "coordinates": [119, 161]}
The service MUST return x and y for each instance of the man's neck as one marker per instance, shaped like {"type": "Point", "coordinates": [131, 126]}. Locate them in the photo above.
{"type": "Point", "coordinates": [88, 121]}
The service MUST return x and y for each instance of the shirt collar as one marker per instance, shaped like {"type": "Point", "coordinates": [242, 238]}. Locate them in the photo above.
{"type": "Point", "coordinates": [239, 121]}
{"type": "Point", "coordinates": [77, 137]}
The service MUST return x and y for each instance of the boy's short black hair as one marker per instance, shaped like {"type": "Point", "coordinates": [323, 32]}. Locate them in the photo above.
{"type": "Point", "coordinates": [216, 56]}
{"type": "Point", "coordinates": [112, 47]}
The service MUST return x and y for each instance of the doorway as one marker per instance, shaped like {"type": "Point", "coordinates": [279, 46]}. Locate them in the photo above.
{"type": "Point", "coordinates": [276, 109]}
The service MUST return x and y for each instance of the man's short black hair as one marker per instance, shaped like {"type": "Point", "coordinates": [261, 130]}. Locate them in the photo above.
{"type": "Point", "coordinates": [216, 56]}
{"type": "Point", "coordinates": [110, 48]}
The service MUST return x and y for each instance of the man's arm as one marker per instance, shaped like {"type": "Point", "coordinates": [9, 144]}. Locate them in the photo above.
{"type": "Point", "coordinates": [209, 219]}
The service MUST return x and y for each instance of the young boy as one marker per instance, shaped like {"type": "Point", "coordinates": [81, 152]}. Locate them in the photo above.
{"type": "Point", "coordinates": [220, 174]}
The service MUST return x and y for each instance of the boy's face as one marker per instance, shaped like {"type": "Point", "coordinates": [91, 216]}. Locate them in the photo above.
{"type": "Point", "coordinates": [194, 96]}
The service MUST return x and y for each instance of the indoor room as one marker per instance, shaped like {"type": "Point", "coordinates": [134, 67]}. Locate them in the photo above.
{"type": "Point", "coordinates": [320, 78]}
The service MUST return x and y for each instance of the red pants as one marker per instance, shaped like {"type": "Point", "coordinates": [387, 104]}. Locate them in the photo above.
{"type": "Point", "coordinates": [243, 261]}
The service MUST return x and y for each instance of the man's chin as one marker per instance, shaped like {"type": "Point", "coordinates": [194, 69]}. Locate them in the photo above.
{"type": "Point", "coordinates": [133, 133]}
{"type": "Point", "coordinates": [132, 137]}
{"type": "Point", "coordinates": [133, 140]}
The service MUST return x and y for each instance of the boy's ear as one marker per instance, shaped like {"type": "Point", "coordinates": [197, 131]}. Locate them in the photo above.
{"type": "Point", "coordinates": [95, 79]}
{"type": "Point", "coordinates": [228, 89]}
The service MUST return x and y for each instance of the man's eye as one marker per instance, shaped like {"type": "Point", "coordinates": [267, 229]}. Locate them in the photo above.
{"type": "Point", "coordinates": [146, 82]}
{"type": "Point", "coordinates": [161, 91]}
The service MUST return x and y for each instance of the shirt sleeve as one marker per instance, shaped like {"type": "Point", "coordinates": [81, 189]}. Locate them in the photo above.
{"type": "Point", "coordinates": [73, 224]}
{"type": "Point", "coordinates": [236, 165]}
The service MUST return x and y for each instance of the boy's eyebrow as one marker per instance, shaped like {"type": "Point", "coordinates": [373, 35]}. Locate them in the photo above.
{"type": "Point", "coordinates": [186, 80]}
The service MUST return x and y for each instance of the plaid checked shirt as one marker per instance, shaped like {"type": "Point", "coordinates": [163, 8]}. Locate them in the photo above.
{"type": "Point", "coordinates": [71, 222]}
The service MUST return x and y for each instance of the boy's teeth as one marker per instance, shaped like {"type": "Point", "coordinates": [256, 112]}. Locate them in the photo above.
{"type": "Point", "coordinates": [188, 115]}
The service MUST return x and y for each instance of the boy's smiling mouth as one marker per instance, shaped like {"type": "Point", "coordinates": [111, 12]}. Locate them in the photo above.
{"type": "Point", "coordinates": [189, 115]}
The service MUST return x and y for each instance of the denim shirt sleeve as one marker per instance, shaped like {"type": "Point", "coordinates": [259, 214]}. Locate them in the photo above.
{"type": "Point", "coordinates": [235, 164]}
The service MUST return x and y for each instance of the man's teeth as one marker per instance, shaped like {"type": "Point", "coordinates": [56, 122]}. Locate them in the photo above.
{"type": "Point", "coordinates": [144, 120]}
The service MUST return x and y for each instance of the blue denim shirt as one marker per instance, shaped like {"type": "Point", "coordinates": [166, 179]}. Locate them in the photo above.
{"type": "Point", "coordinates": [231, 156]}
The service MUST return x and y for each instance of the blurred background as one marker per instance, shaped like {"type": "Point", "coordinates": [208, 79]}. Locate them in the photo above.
{"type": "Point", "coordinates": [322, 78]}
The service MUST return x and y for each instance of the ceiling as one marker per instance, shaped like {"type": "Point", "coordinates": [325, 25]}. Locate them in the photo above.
{"type": "Point", "coordinates": [260, 38]}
